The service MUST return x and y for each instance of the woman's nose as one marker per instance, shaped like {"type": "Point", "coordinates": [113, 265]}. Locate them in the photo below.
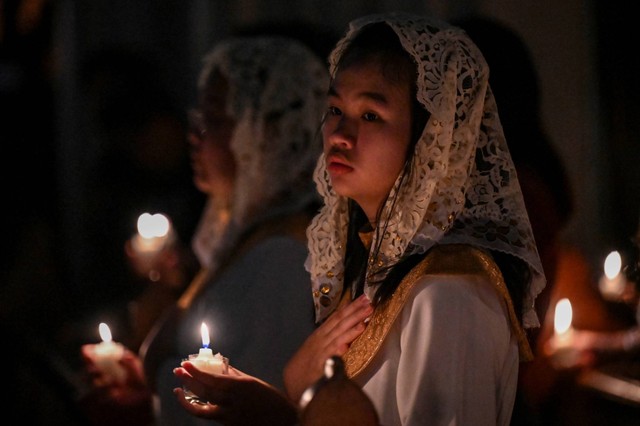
{"type": "Point", "coordinates": [344, 133]}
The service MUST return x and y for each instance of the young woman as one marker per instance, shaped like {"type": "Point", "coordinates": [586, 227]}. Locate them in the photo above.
{"type": "Point", "coordinates": [423, 263]}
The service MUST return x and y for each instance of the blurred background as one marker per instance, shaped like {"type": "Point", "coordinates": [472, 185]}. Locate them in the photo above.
{"type": "Point", "coordinates": [93, 101]}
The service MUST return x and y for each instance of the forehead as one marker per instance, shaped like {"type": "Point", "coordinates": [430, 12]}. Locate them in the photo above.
{"type": "Point", "coordinates": [371, 78]}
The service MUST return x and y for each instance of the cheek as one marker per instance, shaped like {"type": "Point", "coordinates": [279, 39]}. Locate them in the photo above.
{"type": "Point", "coordinates": [326, 132]}
{"type": "Point", "coordinates": [390, 159]}
{"type": "Point", "coordinates": [217, 160]}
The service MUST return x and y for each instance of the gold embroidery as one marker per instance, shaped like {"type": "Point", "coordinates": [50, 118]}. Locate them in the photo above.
{"type": "Point", "coordinates": [445, 259]}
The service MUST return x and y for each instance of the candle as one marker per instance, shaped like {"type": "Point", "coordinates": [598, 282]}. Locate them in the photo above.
{"type": "Point", "coordinates": [612, 283]}
{"type": "Point", "coordinates": [153, 233]}
{"type": "Point", "coordinates": [564, 355]}
{"type": "Point", "coordinates": [107, 355]}
{"type": "Point", "coordinates": [205, 360]}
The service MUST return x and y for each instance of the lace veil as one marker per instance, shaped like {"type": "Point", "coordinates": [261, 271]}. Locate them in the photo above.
{"type": "Point", "coordinates": [462, 187]}
{"type": "Point", "coordinates": [277, 90]}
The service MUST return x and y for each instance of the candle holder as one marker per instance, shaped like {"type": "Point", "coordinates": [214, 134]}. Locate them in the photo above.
{"type": "Point", "coordinates": [564, 355]}
{"type": "Point", "coordinates": [107, 355]}
{"type": "Point", "coordinates": [209, 363]}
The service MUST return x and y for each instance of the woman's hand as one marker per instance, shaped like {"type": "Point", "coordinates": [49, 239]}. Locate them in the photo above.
{"type": "Point", "coordinates": [333, 337]}
{"type": "Point", "coordinates": [111, 401]}
{"type": "Point", "coordinates": [235, 399]}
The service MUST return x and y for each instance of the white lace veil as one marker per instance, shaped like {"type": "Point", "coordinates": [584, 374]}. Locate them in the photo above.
{"type": "Point", "coordinates": [462, 187]}
{"type": "Point", "coordinates": [277, 90]}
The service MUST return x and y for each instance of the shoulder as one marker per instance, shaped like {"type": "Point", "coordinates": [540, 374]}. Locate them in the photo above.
{"type": "Point", "coordinates": [276, 261]}
{"type": "Point", "coordinates": [447, 269]}
{"type": "Point", "coordinates": [466, 278]}
{"type": "Point", "coordinates": [458, 259]}
{"type": "Point", "coordinates": [277, 247]}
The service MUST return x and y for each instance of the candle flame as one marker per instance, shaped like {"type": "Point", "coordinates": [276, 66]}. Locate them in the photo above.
{"type": "Point", "coordinates": [204, 332]}
{"type": "Point", "coordinates": [612, 264]}
{"type": "Point", "coordinates": [105, 333]}
{"type": "Point", "coordinates": [150, 226]}
{"type": "Point", "coordinates": [563, 316]}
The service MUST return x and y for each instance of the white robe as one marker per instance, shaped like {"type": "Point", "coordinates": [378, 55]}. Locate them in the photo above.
{"type": "Point", "coordinates": [450, 357]}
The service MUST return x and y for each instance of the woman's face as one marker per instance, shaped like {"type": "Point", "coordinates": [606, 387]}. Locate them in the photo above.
{"type": "Point", "coordinates": [212, 161]}
{"type": "Point", "coordinates": [366, 134]}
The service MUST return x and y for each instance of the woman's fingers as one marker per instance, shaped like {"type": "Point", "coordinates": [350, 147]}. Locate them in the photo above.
{"type": "Point", "coordinates": [233, 399]}
{"type": "Point", "coordinates": [203, 410]}
{"type": "Point", "coordinates": [333, 337]}
{"type": "Point", "coordinates": [346, 324]}
{"type": "Point", "coordinates": [349, 315]}
{"type": "Point", "coordinates": [215, 388]}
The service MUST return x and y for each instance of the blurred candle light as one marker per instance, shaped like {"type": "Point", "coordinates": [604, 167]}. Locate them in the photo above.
{"type": "Point", "coordinates": [612, 283]}
{"type": "Point", "coordinates": [564, 355]}
{"type": "Point", "coordinates": [107, 355]}
{"type": "Point", "coordinates": [153, 233]}
{"type": "Point", "coordinates": [563, 317]}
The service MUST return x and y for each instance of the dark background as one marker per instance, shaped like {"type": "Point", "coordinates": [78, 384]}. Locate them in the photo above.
{"type": "Point", "coordinates": [93, 96]}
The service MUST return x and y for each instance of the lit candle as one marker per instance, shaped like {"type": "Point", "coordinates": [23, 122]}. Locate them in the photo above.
{"type": "Point", "coordinates": [107, 356]}
{"type": "Point", "coordinates": [205, 360]}
{"type": "Point", "coordinates": [564, 355]}
{"type": "Point", "coordinates": [612, 283]}
{"type": "Point", "coordinates": [153, 233]}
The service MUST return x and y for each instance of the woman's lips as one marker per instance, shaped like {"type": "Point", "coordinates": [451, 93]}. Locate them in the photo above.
{"type": "Point", "coordinates": [336, 165]}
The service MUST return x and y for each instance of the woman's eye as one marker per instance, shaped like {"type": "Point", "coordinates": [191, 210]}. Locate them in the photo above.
{"type": "Point", "coordinates": [369, 116]}
{"type": "Point", "coordinates": [334, 111]}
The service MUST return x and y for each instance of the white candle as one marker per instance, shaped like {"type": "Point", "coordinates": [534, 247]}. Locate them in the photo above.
{"type": "Point", "coordinates": [107, 356]}
{"type": "Point", "coordinates": [205, 360]}
{"type": "Point", "coordinates": [612, 283]}
{"type": "Point", "coordinates": [564, 355]}
{"type": "Point", "coordinates": [154, 234]}
{"type": "Point", "coordinates": [154, 231]}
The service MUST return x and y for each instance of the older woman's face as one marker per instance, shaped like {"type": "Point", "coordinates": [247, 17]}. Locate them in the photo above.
{"type": "Point", "coordinates": [212, 161]}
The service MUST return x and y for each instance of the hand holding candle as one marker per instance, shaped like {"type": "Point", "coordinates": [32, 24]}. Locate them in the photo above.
{"type": "Point", "coordinates": [612, 283]}
{"type": "Point", "coordinates": [207, 362]}
{"type": "Point", "coordinates": [563, 354]}
{"type": "Point", "coordinates": [154, 234]}
{"type": "Point", "coordinates": [107, 356]}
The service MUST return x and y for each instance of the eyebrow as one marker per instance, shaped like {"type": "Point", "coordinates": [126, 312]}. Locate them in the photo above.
{"type": "Point", "coordinates": [374, 96]}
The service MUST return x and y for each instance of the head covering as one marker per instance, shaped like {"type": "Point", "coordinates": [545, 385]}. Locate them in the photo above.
{"type": "Point", "coordinates": [276, 95]}
{"type": "Point", "coordinates": [462, 186]}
